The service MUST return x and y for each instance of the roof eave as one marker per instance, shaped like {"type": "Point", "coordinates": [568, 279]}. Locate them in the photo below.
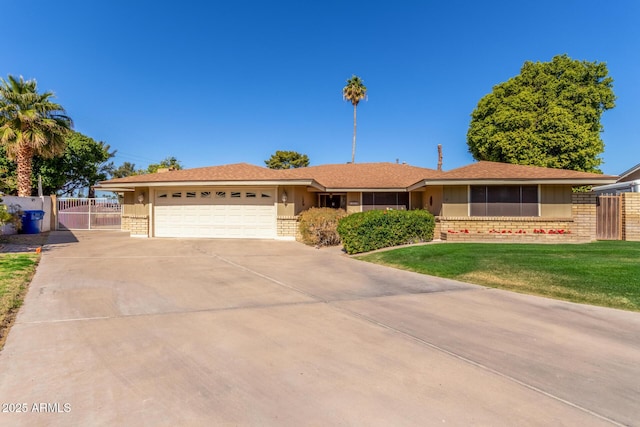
{"type": "Point", "coordinates": [106, 186]}
{"type": "Point", "coordinates": [519, 181]}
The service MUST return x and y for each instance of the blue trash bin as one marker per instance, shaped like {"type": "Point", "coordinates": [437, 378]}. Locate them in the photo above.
{"type": "Point", "coordinates": [31, 221]}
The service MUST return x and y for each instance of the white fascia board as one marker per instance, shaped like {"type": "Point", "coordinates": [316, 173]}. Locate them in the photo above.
{"type": "Point", "coordinates": [115, 189]}
{"type": "Point", "coordinates": [633, 186]}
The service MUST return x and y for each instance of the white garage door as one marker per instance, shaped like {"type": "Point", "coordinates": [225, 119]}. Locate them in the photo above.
{"type": "Point", "coordinates": [224, 213]}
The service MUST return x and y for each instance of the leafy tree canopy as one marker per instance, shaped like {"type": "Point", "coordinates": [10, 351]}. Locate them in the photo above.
{"type": "Point", "coordinates": [549, 115]}
{"type": "Point", "coordinates": [287, 160]}
{"type": "Point", "coordinates": [83, 163]}
{"type": "Point", "coordinates": [129, 169]}
{"type": "Point", "coordinates": [124, 170]}
{"type": "Point", "coordinates": [169, 163]}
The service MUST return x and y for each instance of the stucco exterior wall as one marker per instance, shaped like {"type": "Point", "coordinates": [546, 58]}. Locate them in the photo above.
{"type": "Point", "coordinates": [354, 203]}
{"type": "Point", "coordinates": [555, 201]}
{"type": "Point", "coordinates": [416, 200]}
{"type": "Point", "coordinates": [135, 215]}
{"type": "Point", "coordinates": [304, 199]}
{"type": "Point", "coordinates": [455, 201]}
{"type": "Point", "coordinates": [34, 203]}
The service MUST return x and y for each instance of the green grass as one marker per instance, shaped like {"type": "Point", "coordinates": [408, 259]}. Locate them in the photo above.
{"type": "Point", "coordinates": [599, 273]}
{"type": "Point", "coordinates": [16, 271]}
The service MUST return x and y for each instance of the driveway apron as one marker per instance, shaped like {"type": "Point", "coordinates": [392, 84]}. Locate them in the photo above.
{"type": "Point", "coordinates": [162, 332]}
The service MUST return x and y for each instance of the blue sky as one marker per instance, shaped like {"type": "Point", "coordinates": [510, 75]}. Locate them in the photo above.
{"type": "Point", "coordinates": [213, 82]}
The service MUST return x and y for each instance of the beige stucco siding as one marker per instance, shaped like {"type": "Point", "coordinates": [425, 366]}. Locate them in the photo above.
{"type": "Point", "coordinates": [131, 206]}
{"type": "Point", "coordinates": [555, 201]}
{"type": "Point", "coordinates": [298, 200]}
{"type": "Point", "coordinates": [454, 201]}
{"type": "Point", "coordinates": [416, 199]}
{"type": "Point", "coordinates": [354, 203]}
{"type": "Point", "coordinates": [303, 199]}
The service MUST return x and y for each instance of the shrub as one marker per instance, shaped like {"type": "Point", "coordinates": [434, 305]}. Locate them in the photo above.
{"type": "Point", "coordinates": [318, 226]}
{"type": "Point", "coordinates": [11, 215]}
{"type": "Point", "coordinates": [367, 231]}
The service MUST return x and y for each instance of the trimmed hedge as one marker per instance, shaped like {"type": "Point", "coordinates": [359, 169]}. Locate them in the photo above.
{"type": "Point", "coordinates": [318, 226]}
{"type": "Point", "coordinates": [367, 231]}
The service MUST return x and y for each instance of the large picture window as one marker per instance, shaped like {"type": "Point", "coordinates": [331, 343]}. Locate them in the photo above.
{"type": "Point", "coordinates": [380, 201]}
{"type": "Point", "coordinates": [504, 200]}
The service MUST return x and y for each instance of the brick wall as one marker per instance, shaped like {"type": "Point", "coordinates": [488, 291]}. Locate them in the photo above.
{"type": "Point", "coordinates": [631, 217]}
{"type": "Point", "coordinates": [287, 227]}
{"type": "Point", "coordinates": [581, 227]}
{"type": "Point", "coordinates": [583, 211]}
{"type": "Point", "coordinates": [137, 225]}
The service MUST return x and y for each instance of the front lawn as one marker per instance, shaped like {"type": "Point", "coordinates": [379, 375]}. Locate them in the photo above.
{"type": "Point", "coordinates": [16, 271]}
{"type": "Point", "coordinates": [599, 273]}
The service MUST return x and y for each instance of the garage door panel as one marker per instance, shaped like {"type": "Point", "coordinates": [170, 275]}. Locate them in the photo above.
{"type": "Point", "coordinates": [218, 215]}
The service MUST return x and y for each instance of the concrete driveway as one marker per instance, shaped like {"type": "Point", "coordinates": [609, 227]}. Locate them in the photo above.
{"type": "Point", "coordinates": [122, 331]}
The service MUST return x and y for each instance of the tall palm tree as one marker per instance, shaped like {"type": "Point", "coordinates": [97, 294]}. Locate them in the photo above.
{"type": "Point", "coordinates": [30, 124]}
{"type": "Point", "coordinates": [354, 91]}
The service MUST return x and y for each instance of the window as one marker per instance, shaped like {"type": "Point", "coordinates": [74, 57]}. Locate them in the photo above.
{"type": "Point", "coordinates": [162, 195]}
{"type": "Point", "coordinates": [191, 194]}
{"type": "Point", "coordinates": [506, 200]}
{"type": "Point", "coordinates": [235, 194]}
{"type": "Point", "coordinates": [205, 194]}
{"type": "Point", "coordinates": [176, 195]}
{"type": "Point", "coordinates": [265, 195]}
{"type": "Point", "coordinates": [221, 194]}
{"type": "Point", "coordinates": [250, 195]}
{"type": "Point", "coordinates": [381, 201]}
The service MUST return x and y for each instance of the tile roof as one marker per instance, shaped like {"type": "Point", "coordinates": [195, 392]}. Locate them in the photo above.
{"type": "Point", "coordinates": [362, 175]}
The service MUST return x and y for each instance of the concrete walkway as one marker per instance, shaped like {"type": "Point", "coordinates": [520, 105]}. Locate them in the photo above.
{"type": "Point", "coordinates": [165, 332]}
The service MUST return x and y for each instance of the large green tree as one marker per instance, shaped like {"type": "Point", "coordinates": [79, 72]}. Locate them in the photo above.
{"type": "Point", "coordinates": [83, 163]}
{"type": "Point", "coordinates": [548, 115]}
{"type": "Point", "coordinates": [30, 124]}
{"type": "Point", "coordinates": [354, 92]}
{"type": "Point", "coordinates": [168, 163]}
{"type": "Point", "coordinates": [129, 169]}
{"type": "Point", "coordinates": [287, 160]}
{"type": "Point", "coordinates": [124, 170]}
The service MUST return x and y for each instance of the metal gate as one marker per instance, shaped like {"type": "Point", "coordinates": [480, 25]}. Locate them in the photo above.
{"type": "Point", "coordinates": [88, 214]}
{"type": "Point", "coordinates": [609, 217]}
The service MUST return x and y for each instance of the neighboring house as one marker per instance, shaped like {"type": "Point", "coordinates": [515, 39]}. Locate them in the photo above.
{"type": "Point", "coordinates": [628, 182]}
{"type": "Point", "coordinates": [246, 201]}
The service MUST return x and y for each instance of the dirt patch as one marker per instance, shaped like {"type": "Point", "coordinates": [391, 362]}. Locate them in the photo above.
{"type": "Point", "coordinates": [16, 243]}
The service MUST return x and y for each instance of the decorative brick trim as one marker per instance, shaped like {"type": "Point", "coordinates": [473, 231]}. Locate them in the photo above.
{"type": "Point", "coordinates": [137, 225]}
{"type": "Point", "coordinates": [287, 227]}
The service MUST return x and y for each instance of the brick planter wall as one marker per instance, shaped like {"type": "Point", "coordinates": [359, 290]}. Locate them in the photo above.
{"type": "Point", "coordinates": [137, 225]}
{"type": "Point", "coordinates": [581, 227]}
